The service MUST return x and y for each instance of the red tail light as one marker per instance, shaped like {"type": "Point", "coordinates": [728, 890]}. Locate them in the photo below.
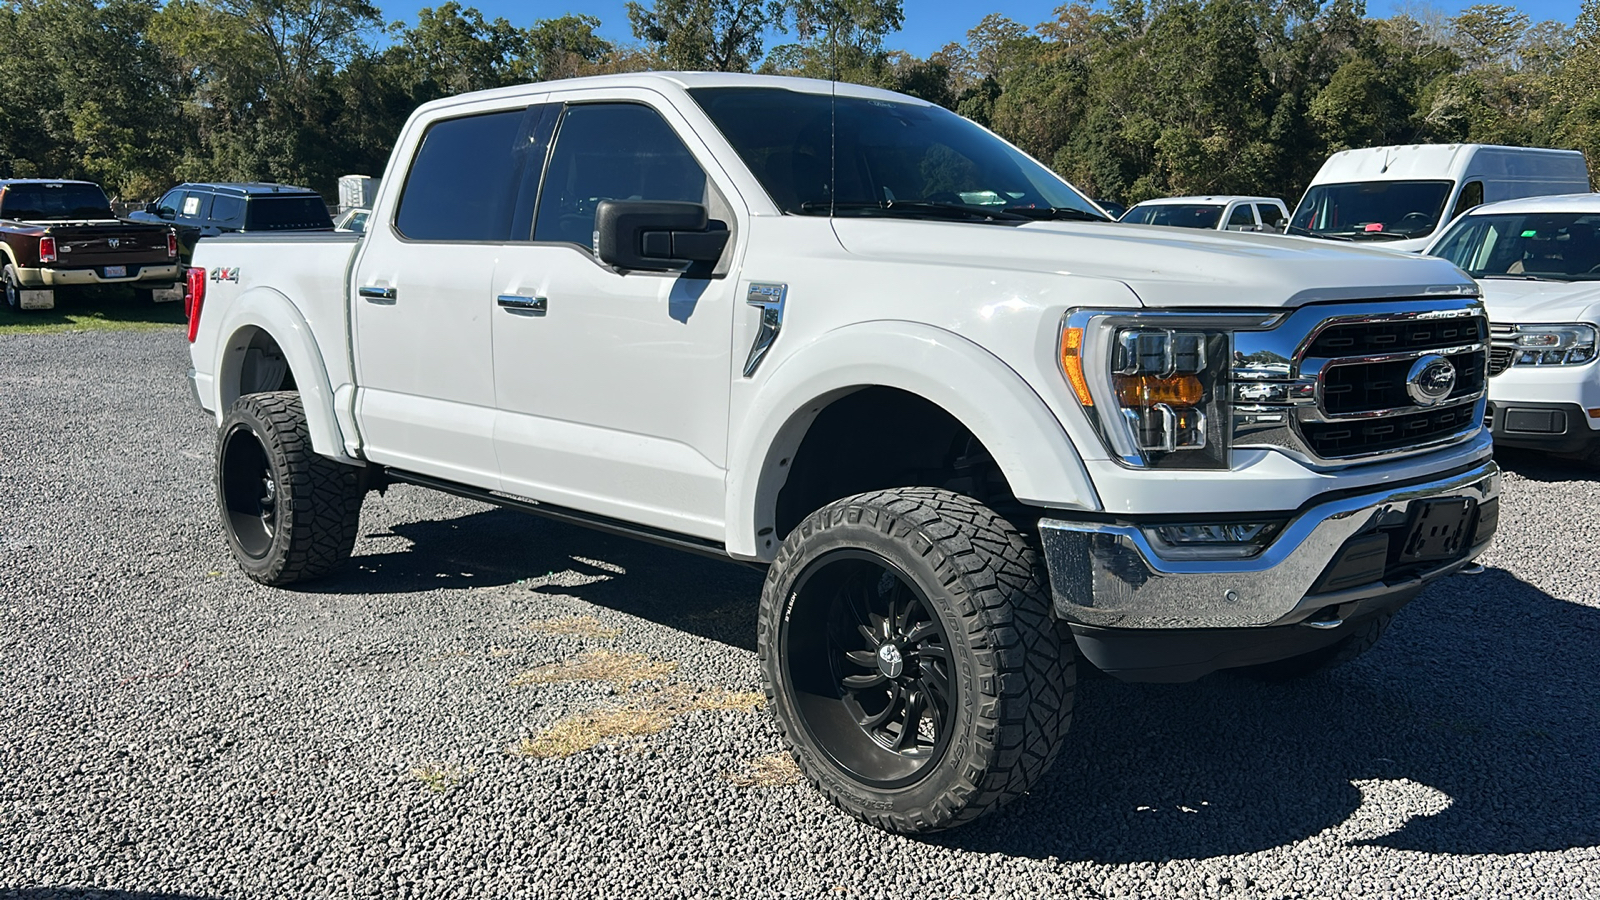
{"type": "Point", "coordinates": [47, 249]}
{"type": "Point", "coordinates": [172, 245]}
{"type": "Point", "coordinates": [194, 297]}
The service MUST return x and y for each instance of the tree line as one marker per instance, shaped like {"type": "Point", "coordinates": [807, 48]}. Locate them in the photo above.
{"type": "Point", "coordinates": [1128, 99]}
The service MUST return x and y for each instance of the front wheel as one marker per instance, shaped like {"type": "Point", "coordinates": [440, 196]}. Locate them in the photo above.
{"type": "Point", "coordinates": [290, 514]}
{"type": "Point", "coordinates": [908, 651]}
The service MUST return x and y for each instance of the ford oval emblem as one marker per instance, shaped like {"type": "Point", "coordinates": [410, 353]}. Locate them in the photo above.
{"type": "Point", "coordinates": [1430, 380]}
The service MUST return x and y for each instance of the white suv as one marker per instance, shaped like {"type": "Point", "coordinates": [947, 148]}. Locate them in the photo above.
{"type": "Point", "coordinates": [1538, 261]}
{"type": "Point", "coordinates": [1218, 213]}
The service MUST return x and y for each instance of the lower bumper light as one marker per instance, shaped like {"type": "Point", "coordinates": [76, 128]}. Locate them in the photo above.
{"type": "Point", "coordinates": [1230, 540]}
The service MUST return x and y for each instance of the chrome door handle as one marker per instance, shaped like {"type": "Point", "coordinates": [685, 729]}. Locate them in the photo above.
{"type": "Point", "coordinates": [378, 294]}
{"type": "Point", "coordinates": [518, 303]}
{"type": "Point", "coordinates": [769, 299]}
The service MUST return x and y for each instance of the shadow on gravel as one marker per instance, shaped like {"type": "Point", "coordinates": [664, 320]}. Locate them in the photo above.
{"type": "Point", "coordinates": [1535, 465]}
{"type": "Point", "coordinates": [89, 894]}
{"type": "Point", "coordinates": [710, 598]}
{"type": "Point", "coordinates": [1473, 728]}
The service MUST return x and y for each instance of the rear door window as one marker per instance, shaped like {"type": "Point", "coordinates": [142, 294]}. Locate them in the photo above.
{"type": "Point", "coordinates": [1271, 216]}
{"type": "Point", "coordinates": [463, 180]}
{"type": "Point", "coordinates": [611, 151]}
{"type": "Point", "coordinates": [227, 210]}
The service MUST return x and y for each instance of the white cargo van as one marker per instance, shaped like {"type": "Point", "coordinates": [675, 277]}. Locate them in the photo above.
{"type": "Point", "coordinates": [1401, 195]}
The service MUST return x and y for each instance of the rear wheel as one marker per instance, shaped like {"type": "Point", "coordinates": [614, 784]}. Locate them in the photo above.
{"type": "Point", "coordinates": [909, 653]}
{"type": "Point", "coordinates": [290, 514]}
{"type": "Point", "coordinates": [13, 289]}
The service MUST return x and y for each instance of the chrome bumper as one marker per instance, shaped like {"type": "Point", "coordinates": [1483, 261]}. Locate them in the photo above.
{"type": "Point", "coordinates": [1110, 576]}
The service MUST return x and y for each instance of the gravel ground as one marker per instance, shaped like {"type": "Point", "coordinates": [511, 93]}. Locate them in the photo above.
{"type": "Point", "coordinates": [172, 730]}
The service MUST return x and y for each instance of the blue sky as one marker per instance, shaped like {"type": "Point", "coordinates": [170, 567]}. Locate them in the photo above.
{"type": "Point", "coordinates": [930, 24]}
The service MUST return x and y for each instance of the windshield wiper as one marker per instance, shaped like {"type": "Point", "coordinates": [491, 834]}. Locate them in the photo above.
{"type": "Point", "coordinates": [1506, 276]}
{"type": "Point", "coordinates": [1328, 235]}
{"type": "Point", "coordinates": [914, 208]}
{"type": "Point", "coordinates": [1056, 213]}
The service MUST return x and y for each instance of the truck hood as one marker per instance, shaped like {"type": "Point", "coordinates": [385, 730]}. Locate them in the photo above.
{"type": "Point", "coordinates": [1536, 302]}
{"type": "Point", "coordinates": [1165, 267]}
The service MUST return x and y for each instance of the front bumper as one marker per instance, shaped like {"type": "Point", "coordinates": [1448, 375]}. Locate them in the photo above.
{"type": "Point", "coordinates": [146, 274]}
{"type": "Point", "coordinates": [1330, 558]}
{"type": "Point", "coordinates": [1555, 427]}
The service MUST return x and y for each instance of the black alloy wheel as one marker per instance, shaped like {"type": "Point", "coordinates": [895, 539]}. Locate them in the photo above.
{"type": "Point", "coordinates": [870, 664]}
{"type": "Point", "coordinates": [249, 490]}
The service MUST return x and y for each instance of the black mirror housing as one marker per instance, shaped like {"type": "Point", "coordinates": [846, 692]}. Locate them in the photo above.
{"type": "Point", "coordinates": [656, 235]}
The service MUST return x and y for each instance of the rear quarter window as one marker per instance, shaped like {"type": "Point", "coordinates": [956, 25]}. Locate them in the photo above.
{"type": "Point", "coordinates": [227, 210]}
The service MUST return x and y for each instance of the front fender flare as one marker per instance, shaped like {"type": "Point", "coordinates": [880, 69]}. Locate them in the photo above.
{"type": "Point", "coordinates": [267, 310]}
{"type": "Point", "coordinates": [1026, 440]}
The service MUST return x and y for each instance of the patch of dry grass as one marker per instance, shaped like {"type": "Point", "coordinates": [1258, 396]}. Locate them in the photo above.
{"type": "Point", "coordinates": [437, 778]}
{"type": "Point", "coordinates": [621, 669]}
{"type": "Point", "coordinates": [776, 770]}
{"type": "Point", "coordinates": [575, 626]}
{"type": "Point", "coordinates": [643, 714]}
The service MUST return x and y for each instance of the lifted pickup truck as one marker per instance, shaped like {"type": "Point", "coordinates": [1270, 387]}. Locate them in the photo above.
{"type": "Point", "coordinates": [968, 426]}
{"type": "Point", "coordinates": [62, 233]}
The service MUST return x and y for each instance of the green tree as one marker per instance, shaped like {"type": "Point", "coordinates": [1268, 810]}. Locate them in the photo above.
{"type": "Point", "coordinates": [712, 35]}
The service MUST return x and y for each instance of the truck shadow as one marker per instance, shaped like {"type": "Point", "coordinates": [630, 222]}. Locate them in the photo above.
{"type": "Point", "coordinates": [711, 598]}
{"type": "Point", "coordinates": [1473, 727]}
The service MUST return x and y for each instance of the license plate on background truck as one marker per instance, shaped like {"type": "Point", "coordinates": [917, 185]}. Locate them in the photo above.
{"type": "Point", "coordinates": [116, 272]}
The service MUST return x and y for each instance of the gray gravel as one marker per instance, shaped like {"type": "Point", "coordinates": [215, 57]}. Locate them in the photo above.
{"type": "Point", "coordinates": [171, 730]}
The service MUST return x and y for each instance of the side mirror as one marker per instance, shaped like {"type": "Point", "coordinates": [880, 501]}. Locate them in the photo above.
{"type": "Point", "coordinates": [656, 235]}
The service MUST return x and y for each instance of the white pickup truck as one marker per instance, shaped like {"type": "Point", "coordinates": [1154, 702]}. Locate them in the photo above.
{"type": "Point", "coordinates": [970, 428]}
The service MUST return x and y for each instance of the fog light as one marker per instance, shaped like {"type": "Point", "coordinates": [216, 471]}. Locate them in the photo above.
{"type": "Point", "coordinates": [1212, 540]}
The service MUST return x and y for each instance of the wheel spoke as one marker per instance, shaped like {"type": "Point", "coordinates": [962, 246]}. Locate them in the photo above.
{"type": "Point", "coordinates": [922, 632]}
{"type": "Point", "coordinates": [866, 659]}
{"type": "Point", "coordinates": [862, 682]}
{"type": "Point", "coordinates": [904, 616]}
{"type": "Point", "coordinates": [934, 651]}
{"type": "Point", "coordinates": [913, 718]}
{"type": "Point", "coordinates": [936, 683]}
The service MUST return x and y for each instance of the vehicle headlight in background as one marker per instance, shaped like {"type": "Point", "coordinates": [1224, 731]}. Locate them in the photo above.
{"type": "Point", "coordinates": [1553, 345]}
{"type": "Point", "coordinates": [1157, 394]}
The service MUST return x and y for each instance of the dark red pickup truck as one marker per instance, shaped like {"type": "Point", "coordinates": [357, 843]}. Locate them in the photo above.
{"type": "Point", "coordinates": [63, 233]}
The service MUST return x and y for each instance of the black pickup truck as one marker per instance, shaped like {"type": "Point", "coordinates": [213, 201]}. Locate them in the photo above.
{"type": "Point", "coordinates": [56, 234]}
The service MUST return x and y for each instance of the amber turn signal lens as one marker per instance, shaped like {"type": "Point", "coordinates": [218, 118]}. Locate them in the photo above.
{"type": "Point", "coordinates": [1072, 364]}
{"type": "Point", "coordinates": [1145, 391]}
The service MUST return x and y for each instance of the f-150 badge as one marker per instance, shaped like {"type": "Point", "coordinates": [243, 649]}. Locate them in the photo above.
{"type": "Point", "coordinates": [224, 274]}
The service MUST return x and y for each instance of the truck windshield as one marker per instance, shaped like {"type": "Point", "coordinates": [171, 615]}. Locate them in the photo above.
{"type": "Point", "coordinates": [286, 212]}
{"type": "Point", "coordinates": [49, 202]}
{"type": "Point", "coordinates": [1371, 210]}
{"type": "Point", "coordinates": [1535, 246]}
{"type": "Point", "coordinates": [1178, 215]}
{"type": "Point", "coordinates": [887, 158]}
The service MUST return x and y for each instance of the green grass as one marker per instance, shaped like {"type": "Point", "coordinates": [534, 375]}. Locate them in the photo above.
{"type": "Point", "coordinates": [93, 309]}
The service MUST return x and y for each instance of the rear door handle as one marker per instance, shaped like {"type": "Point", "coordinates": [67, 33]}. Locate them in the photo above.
{"type": "Point", "coordinates": [518, 303]}
{"type": "Point", "coordinates": [378, 294]}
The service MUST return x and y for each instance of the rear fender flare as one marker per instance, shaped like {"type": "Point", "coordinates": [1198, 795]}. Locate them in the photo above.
{"type": "Point", "coordinates": [266, 310]}
{"type": "Point", "coordinates": [997, 405]}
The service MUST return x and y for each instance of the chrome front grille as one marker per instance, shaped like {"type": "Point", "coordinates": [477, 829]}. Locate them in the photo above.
{"type": "Point", "coordinates": [1332, 384]}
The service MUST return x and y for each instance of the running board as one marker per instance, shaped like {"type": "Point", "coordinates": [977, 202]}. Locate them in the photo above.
{"type": "Point", "coordinates": [701, 546]}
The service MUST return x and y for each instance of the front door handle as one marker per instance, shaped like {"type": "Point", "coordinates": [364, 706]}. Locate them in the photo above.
{"type": "Point", "coordinates": [378, 294]}
{"type": "Point", "coordinates": [518, 303]}
{"type": "Point", "coordinates": [769, 299]}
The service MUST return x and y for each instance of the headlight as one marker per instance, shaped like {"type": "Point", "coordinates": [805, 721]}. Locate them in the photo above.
{"type": "Point", "coordinates": [1157, 394]}
{"type": "Point", "coordinates": [1553, 345]}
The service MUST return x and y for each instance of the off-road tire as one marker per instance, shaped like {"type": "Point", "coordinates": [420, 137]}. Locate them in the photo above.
{"type": "Point", "coordinates": [1361, 640]}
{"type": "Point", "coordinates": [316, 505]}
{"type": "Point", "coordinates": [1015, 676]}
